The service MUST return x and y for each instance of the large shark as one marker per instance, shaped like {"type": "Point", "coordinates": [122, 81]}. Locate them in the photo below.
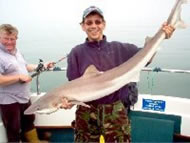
{"type": "Point", "coordinates": [95, 84]}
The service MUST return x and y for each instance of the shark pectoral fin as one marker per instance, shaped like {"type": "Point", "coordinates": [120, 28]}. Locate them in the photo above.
{"type": "Point", "coordinates": [80, 103]}
{"type": "Point", "coordinates": [91, 71]}
{"type": "Point", "coordinates": [47, 111]}
{"type": "Point", "coordinates": [136, 78]}
{"type": "Point", "coordinates": [53, 111]}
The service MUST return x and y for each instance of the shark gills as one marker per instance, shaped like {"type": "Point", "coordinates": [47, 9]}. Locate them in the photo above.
{"type": "Point", "coordinates": [95, 84]}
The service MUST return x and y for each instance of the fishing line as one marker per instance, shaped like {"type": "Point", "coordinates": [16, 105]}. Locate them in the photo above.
{"type": "Point", "coordinates": [61, 59]}
{"type": "Point", "coordinates": [150, 80]}
{"type": "Point", "coordinates": [153, 79]}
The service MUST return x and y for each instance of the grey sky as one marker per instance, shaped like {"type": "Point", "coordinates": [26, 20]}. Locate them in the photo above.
{"type": "Point", "coordinates": [68, 12]}
{"type": "Point", "coordinates": [38, 19]}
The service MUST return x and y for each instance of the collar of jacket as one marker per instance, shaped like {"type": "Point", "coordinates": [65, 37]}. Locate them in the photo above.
{"type": "Point", "coordinates": [96, 44]}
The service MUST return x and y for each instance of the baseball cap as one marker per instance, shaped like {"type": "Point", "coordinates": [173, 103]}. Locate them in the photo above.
{"type": "Point", "coordinates": [90, 10]}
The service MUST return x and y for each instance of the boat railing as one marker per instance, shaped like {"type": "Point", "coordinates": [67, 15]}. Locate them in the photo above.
{"type": "Point", "coordinates": [146, 69]}
{"type": "Point", "coordinates": [156, 69]}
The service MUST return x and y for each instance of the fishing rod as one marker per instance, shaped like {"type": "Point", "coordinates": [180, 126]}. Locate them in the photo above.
{"type": "Point", "coordinates": [41, 68]}
{"type": "Point", "coordinates": [38, 70]}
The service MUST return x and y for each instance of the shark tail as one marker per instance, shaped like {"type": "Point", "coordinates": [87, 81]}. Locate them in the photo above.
{"type": "Point", "coordinates": [180, 23]}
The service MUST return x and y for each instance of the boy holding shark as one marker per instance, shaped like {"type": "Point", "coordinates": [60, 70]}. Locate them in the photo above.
{"type": "Point", "coordinates": [106, 116]}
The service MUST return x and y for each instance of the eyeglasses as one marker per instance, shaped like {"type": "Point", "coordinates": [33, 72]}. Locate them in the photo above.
{"type": "Point", "coordinates": [90, 22]}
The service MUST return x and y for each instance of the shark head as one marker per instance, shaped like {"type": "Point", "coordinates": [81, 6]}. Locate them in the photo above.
{"type": "Point", "coordinates": [33, 109]}
{"type": "Point", "coordinates": [40, 109]}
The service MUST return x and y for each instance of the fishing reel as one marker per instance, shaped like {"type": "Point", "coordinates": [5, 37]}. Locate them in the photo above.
{"type": "Point", "coordinates": [40, 68]}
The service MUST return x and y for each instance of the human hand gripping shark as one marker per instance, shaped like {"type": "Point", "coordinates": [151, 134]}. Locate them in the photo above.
{"type": "Point", "coordinates": [95, 84]}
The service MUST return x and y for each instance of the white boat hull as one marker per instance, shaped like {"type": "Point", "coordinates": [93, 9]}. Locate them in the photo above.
{"type": "Point", "coordinates": [173, 106]}
{"type": "Point", "coordinates": [63, 118]}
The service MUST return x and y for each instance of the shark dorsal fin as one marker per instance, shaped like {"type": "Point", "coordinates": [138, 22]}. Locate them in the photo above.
{"type": "Point", "coordinates": [91, 70]}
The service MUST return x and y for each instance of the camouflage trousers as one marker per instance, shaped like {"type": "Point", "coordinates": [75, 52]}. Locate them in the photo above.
{"type": "Point", "coordinates": [109, 120]}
